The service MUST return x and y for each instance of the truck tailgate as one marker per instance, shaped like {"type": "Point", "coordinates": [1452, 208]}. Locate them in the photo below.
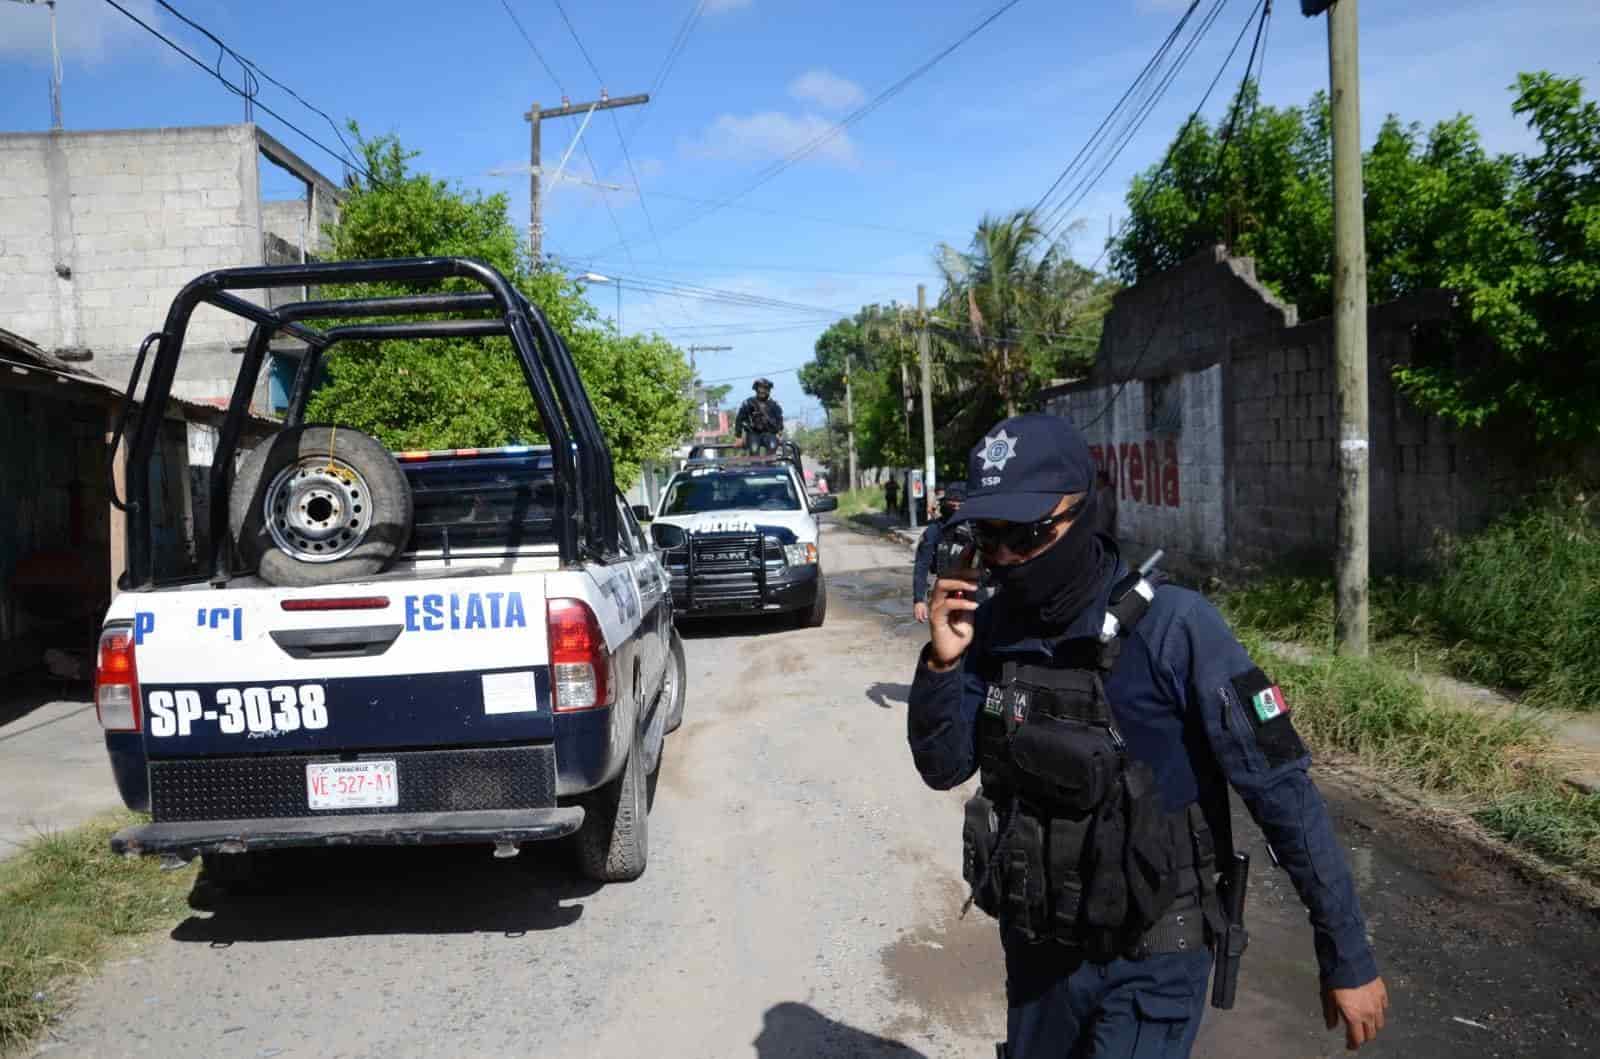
{"type": "Point", "coordinates": [450, 662]}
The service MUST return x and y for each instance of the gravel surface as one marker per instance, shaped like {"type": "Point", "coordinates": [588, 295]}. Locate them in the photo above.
{"type": "Point", "coordinates": [802, 900]}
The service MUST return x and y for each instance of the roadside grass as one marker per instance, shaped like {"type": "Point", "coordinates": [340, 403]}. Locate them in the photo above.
{"type": "Point", "coordinates": [856, 502]}
{"type": "Point", "coordinates": [64, 901]}
{"type": "Point", "coordinates": [1497, 769]}
{"type": "Point", "coordinates": [1514, 607]}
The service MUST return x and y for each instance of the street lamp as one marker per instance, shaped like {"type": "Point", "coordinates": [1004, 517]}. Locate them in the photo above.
{"type": "Point", "coordinates": [55, 62]}
{"type": "Point", "coordinates": [595, 277]}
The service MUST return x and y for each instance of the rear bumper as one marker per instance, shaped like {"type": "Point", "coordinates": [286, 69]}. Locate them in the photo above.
{"type": "Point", "coordinates": [191, 838]}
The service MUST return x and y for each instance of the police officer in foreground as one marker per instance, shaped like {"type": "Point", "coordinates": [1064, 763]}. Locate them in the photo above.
{"type": "Point", "coordinates": [760, 419]}
{"type": "Point", "coordinates": [922, 566]}
{"type": "Point", "coordinates": [1107, 716]}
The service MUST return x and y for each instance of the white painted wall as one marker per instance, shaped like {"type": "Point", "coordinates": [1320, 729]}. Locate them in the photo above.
{"type": "Point", "coordinates": [1184, 512]}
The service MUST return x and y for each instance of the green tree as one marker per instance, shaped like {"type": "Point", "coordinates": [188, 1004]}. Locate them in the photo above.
{"type": "Point", "coordinates": [446, 393]}
{"type": "Point", "coordinates": [1517, 236]}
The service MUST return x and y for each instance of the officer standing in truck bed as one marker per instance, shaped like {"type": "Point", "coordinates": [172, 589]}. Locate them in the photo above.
{"type": "Point", "coordinates": [1108, 718]}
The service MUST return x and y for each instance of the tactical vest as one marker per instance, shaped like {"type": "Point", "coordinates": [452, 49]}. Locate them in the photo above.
{"type": "Point", "coordinates": [762, 421]}
{"type": "Point", "coordinates": [1067, 839]}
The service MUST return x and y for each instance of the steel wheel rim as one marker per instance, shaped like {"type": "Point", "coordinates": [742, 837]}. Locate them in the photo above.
{"type": "Point", "coordinates": [318, 510]}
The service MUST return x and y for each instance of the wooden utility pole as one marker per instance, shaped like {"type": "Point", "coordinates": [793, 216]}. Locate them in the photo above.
{"type": "Point", "coordinates": [1349, 332]}
{"type": "Point", "coordinates": [534, 116]}
{"type": "Point", "coordinates": [850, 419]}
{"type": "Point", "coordinates": [927, 391]}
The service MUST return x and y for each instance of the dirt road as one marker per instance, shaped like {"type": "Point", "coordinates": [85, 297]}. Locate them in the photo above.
{"type": "Point", "coordinates": [801, 901]}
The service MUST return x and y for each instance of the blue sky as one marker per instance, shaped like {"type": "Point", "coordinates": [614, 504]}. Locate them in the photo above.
{"type": "Point", "coordinates": [857, 221]}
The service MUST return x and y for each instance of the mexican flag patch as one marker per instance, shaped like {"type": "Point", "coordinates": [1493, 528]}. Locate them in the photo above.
{"type": "Point", "coordinates": [1268, 703]}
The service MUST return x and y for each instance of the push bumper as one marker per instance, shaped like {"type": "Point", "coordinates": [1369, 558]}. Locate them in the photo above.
{"type": "Point", "coordinates": [192, 838]}
{"type": "Point", "coordinates": [794, 589]}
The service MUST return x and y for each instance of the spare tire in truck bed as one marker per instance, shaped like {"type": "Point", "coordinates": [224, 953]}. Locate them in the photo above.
{"type": "Point", "coordinates": [314, 505]}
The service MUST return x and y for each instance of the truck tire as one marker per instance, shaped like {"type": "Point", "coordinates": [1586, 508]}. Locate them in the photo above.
{"type": "Point", "coordinates": [340, 507]}
{"type": "Point", "coordinates": [677, 684]}
{"type": "Point", "coordinates": [614, 842]}
{"type": "Point", "coordinates": [813, 616]}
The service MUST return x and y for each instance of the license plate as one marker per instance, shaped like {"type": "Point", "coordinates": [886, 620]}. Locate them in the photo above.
{"type": "Point", "coordinates": [351, 784]}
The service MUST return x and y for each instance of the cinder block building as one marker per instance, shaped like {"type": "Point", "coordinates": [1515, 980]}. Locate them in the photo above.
{"type": "Point", "coordinates": [98, 231]}
{"type": "Point", "coordinates": [1213, 414]}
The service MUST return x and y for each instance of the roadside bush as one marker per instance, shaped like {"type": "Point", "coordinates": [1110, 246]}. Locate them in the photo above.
{"type": "Point", "coordinates": [1518, 605]}
{"type": "Point", "coordinates": [1515, 607]}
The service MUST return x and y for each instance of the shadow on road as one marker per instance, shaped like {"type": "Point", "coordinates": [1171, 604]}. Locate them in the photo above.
{"type": "Point", "coordinates": [798, 1031]}
{"type": "Point", "coordinates": [28, 693]}
{"type": "Point", "coordinates": [319, 893]}
{"type": "Point", "coordinates": [888, 696]}
{"type": "Point", "coordinates": [738, 625]}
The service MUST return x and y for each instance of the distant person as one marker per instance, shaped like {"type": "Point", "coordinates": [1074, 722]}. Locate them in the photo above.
{"type": "Point", "coordinates": [891, 495]}
{"type": "Point", "coordinates": [760, 419]}
{"type": "Point", "coordinates": [949, 504]}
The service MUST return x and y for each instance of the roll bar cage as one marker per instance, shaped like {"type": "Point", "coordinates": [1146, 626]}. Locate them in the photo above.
{"type": "Point", "coordinates": [586, 522]}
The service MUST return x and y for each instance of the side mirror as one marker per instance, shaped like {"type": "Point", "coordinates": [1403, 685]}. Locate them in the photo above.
{"type": "Point", "coordinates": [825, 503]}
{"type": "Point", "coordinates": [668, 538]}
{"type": "Point", "coordinates": [642, 513]}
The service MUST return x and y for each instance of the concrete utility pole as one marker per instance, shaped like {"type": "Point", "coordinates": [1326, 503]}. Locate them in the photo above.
{"type": "Point", "coordinates": [927, 391]}
{"type": "Point", "coordinates": [850, 420]}
{"type": "Point", "coordinates": [694, 379]}
{"type": "Point", "coordinates": [1349, 327]}
{"type": "Point", "coordinates": [534, 116]}
{"type": "Point", "coordinates": [55, 64]}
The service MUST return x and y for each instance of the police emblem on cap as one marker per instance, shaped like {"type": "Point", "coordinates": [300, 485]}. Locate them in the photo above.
{"type": "Point", "coordinates": [998, 451]}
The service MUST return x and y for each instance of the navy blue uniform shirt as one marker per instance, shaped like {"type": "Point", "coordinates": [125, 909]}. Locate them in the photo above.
{"type": "Point", "coordinates": [1173, 696]}
{"type": "Point", "coordinates": [923, 564]}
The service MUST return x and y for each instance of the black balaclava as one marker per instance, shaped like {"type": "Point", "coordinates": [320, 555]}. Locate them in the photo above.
{"type": "Point", "coordinates": [1049, 590]}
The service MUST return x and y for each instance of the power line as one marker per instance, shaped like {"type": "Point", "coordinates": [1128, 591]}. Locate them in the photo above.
{"type": "Point", "coordinates": [1194, 116]}
{"type": "Point", "coordinates": [1160, 53]}
{"type": "Point", "coordinates": [537, 54]}
{"type": "Point", "coordinates": [579, 40]}
{"type": "Point", "coordinates": [1133, 123]}
{"type": "Point", "coordinates": [245, 93]}
{"type": "Point", "coordinates": [251, 66]}
{"type": "Point", "coordinates": [712, 266]}
{"type": "Point", "coordinates": [776, 168]}
{"type": "Point", "coordinates": [1265, 7]}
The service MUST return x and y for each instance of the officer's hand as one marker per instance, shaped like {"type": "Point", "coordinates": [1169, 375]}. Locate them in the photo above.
{"type": "Point", "coordinates": [1361, 1008]}
{"type": "Point", "coordinates": [920, 612]}
{"type": "Point", "coordinates": [950, 621]}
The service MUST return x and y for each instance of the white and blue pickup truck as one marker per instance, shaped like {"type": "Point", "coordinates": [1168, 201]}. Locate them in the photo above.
{"type": "Point", "coordinates": [739, 535]}
{"type": "Point", "coordinates": [467, 646]}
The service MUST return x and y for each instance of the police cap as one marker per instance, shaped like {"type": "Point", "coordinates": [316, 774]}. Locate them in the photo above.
{"type": "Point", "coordinates": [1023, 467]}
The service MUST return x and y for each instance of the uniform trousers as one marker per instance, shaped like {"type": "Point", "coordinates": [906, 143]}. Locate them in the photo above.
{"type": "Point", "coordinates": [1060, 1006]}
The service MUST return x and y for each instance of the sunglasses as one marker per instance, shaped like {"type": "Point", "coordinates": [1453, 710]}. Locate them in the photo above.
{"type": "Point", "coordinates": [1019, 538]}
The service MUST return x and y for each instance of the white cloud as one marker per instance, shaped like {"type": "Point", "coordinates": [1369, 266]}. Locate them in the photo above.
{"type": "Point", "coordinates": [717, 7]}
{"type": "Point", "coordinates": [827, 89]}
{"type": "Point", "coordinates": [86, 30]}
{"type": "Point", "coordinates": [772, 134]}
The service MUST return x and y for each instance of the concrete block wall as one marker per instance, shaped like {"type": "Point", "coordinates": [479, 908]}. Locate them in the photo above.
{"type": "Point", "coordinates": [1184, 319]}
{"type": "Point", "coordinates": [1170, 485]}
{"type": "Point", "coordinates": [1259, 477]}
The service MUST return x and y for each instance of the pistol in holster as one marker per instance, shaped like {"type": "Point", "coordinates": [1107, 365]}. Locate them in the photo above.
{"type": "Point", "coordinates": [1231, 886]}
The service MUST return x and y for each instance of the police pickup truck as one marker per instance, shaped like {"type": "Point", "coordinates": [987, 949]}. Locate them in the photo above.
{"type": "Point", "coordinates": [466, 646]}
{"type": "Point", "coordinates": [739, 535]}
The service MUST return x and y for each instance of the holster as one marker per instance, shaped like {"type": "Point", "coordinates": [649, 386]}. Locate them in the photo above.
{"type": "Point", "coordinates": [978, 840]}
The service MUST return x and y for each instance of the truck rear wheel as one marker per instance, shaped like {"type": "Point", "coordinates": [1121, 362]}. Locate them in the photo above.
{"type": "Point", "coordinates": [677, 685]}
{"type": "Point", "coordinates": [614, 842]}
{"type": "Point", "coordinates": [315, 505]}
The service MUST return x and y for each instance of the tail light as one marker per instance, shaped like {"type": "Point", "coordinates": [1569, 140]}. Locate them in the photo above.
{"type": "Point", "coordinates": [580, 665]}
{"type": "Point", "coordinates": [116, 681]}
